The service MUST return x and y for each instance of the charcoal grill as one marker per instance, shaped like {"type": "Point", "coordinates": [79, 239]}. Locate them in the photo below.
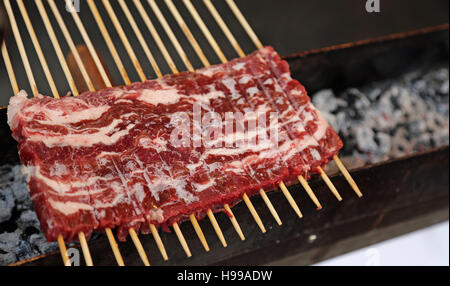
{"type": "Point", "coordinates": [316, 69]}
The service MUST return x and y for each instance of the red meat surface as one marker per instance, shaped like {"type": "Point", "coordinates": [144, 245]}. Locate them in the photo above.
{"type": "Point", "coordinates": [160, 150]}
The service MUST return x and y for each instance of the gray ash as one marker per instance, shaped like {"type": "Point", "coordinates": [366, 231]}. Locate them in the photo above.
{"type": "Point", "coordinates": [376, 122]}
{"type": "Point", "coordinates": [389, 119]}
{"type": "Point", "coordinates": [20, 234]}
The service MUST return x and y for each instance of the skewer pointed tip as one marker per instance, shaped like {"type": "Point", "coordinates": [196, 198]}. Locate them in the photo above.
{"type": "Point", "coordinates": [234, 222]}
{"type": "Point", "coordinates": [347, 176]}
{"type": "Point", "coordinates": [216, 227]}
{"type": "Point", "coordinates": [182, 239]}
{"type": "Point", "coordinates": [309, 191]}
{"type": "Point", "coordinates": [199, 232]}
{"type": "Point", "coordinates": [158, 241]}
{"type": "Point", "coordinates": [254, 213]}
{"type": "Point", "coordinates": [290, 199]}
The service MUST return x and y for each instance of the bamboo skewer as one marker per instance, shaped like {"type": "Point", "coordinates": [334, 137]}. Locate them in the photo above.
{"type": "Point", "coordinates": [290, 199]}
{"type": "Point", "coordinates": [254, 213]}
{"type": "Point", "coordinates": [139, 247]}
{"type": "Point", "coordinates": [347, 175]}
{"type": "Point", "coordinates": [125, 41]}
{"type": "Point", "coordinates": [329, 184]}
{"type": "Point", "coordinates": [182, 239]}
{"type": "Point", "coordinates": [205, 30]}
{"type": "Point", "coordinates": [224, 28]}
{"type": "Point", "coordinates": [235, 223]}
{"type": "Point", "coordinates": [269, 204]}
{"type": "Point", "coordinates": [309, 191]}
{"type": "Point", "coordinates": [140, 37]}
{"type": "Point", "coordinates": [199, 232]}
{"type": "Point", "coordinates": [38, 49]}
{"type": "Point", "coordinates": [69, 41]}
{"type": "Point", "coordinates": [63, 250]}
{"type": "Point", "coordinates": [244, 24]}
{"type": "Point", "coordinates": [171, 35]}
{"type": "Point", "coordinates": [114, 247]}
{"type": "Point", "coordinates": [56, 46]}
{"type": "Point", "coordinates": [155, 36]}
{"type": "Point", "coordinates": [85, 249]}
{"type": "Point", "coordinates": [89, 44]}
{"type": "Point", "coordinates": [216, 227]}
{"type": "Point", "coordinates": [9, 69]}
{"type": "Point", "coordinates": [158, 241]}
{"type": "Point", "coordinates": [109, 43]}
{"type": "Point", "coordinates": [21, 47]}
{"type": "Point", "coordinates": [259, 45]}
{"type": "Point", "coordinates": [187, 33]}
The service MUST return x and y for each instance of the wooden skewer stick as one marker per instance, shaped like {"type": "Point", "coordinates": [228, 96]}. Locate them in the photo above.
{"type": "Point", "coordinates": [38, 49]}
{"type": "Point", "coordinates": [89, 44]}
{"type": "Point", "coordinates": [254, 212]}
{"type": "Point", "coordinates": [9, 69]}
{"type": "Point", "coordinates": [158, 241]}
{"type": "Point", "coordinates": [329, 184]}
{"type": "Point", "coordinates": [57, 47]}
{"type": "Point", "coordinates": [23, 54]}
{"type": "Point", "coordinates": [291, 200]}
{"type": "Point", "coordinates": [187, 33]}
{"type": "Point", "coordinates": [114, 247]}
{"type": "Point", "coordinates": [309, 191]}
{"type": "Point", "coordinates": [140, 37]}
{"type": "Point", "coordinates": [63, 250]}
{"type": "Point", "coordinates": [85, 249]}
{"type": "Point", "coordinates": [69, 41]}
{"type": "Point", "coordinates": [224, 28]}
{"type": "Point", "coordinates": [181, 239]}
{"type": "Point", "coordinates": [155, 36]}
{"type": "Point", "coordinates": [171, 35]}
{"type": "Point", "coordinates": [244, 24]}
{"type": "Point", "coordinates": [199, 231]}
{"type": "Point", "coordinates": [125, 41]}
{"type": "Point", "coordinates": [269, 204]}
{"type": "Point", "coordinates": [205, 30]}
{"type": "Point", "coordinates": [139, 247]}
{"type": "Point", "coordinates": [216, 227]}
{"type": "Point", "coordinates": [109, 42]}
{"type": "Point", "coordinates": [234, 222]}
{"type": "Point", "coordinates": [347, 175]}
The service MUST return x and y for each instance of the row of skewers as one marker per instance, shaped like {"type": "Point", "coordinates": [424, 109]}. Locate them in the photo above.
{"type": "Point", "coordinates": [136, 63]}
